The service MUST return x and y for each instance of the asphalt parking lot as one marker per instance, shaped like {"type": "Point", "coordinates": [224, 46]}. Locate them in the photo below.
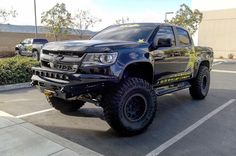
{"type": "Point", "coordinates": [182, 126]}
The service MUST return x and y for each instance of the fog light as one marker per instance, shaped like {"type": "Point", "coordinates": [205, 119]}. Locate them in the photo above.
{"type": "Point", "coordinates": [66, 77]}
{"type": "Point", "coordinates": [61, 76]}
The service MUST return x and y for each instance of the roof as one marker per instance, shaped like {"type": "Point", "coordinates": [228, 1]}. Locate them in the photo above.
{"type": "Point", "coordinates": [149, 24]}
{"type": "Point", "coordinates": [152, 24]}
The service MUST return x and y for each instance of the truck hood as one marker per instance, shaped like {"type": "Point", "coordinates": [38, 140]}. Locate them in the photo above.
{"type": "Point", "coordinates": [89, 45]}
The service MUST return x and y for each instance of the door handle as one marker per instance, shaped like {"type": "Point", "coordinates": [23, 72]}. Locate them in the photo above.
{"type": "Point", "coordinates": [160, 57]}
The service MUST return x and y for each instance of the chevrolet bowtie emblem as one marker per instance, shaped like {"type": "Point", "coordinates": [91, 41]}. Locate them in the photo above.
{"type": "Point", "coordinates": [56, 58]}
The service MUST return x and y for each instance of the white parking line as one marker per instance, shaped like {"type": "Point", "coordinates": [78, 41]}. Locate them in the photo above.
{"type": "Point", "coordinates": [214, 64]}
{"type": "Point", "coordinates": [15, 100]}
{"type": "Point", "coordinates": [34, 113]}
{"type": "Point", "coordinates": [185, 132]}
{"type": "Point", "coordinates": [224, 71]}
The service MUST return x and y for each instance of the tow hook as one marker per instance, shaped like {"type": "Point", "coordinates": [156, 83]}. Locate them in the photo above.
{"type": "Point", "coordinates": [48, 93]}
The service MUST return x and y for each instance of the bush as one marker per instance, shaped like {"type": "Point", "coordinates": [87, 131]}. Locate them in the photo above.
{"type": "Point", "coordinates": [16, 69]}
{"type": "Point", "coordinates": [221, 57]}
{"type": "Point", "coordinates": [231, 56]}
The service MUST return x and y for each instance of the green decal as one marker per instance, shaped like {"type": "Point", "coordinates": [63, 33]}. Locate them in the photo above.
{"type": "Point", "coordinates": [191, 63]}
{"type": "Point", "coordinates": [141, 41]}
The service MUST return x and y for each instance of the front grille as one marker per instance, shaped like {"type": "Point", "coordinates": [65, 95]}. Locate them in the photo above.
{"type": "Point", "coordinates": [61, 60]}
{"type": "Point", "coordinates": [67, 53]}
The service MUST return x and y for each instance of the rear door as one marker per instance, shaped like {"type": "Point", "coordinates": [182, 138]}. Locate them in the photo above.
{"type": "Point", "coordinates": [186, 49]}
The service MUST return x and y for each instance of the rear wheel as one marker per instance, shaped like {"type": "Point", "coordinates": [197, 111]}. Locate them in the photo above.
{"type": "Point", "coordinates": [35, 55]}
{"type": "Point", "coordinates": [131, 107]}
{"type": "Point", "coordinates": [200, 85]}
{"type": "Point", "coordinates": [65, 106]}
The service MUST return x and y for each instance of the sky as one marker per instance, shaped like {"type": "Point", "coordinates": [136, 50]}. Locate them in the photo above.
{"type": "Point", "coordinates": [107, 10]}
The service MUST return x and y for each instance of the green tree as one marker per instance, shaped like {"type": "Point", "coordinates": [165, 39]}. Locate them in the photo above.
{"type": "Point", "coordinates": [84, 20]}
{"type": "Point", "coordinates": [57, 19]}
{"type": "Point", "coordinates": [5, 15]}
{"type": "Point", "coordinates": [187, 18]}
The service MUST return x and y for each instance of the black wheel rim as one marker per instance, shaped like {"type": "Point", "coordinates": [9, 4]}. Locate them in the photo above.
{"type": "Point", "coordinates": [135, 107]}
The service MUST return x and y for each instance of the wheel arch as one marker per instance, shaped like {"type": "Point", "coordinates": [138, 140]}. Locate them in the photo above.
{"type": "Point", "coordinates": [202, 63]}
{"type": "Point", "coordinates": [205, 63]}
{"type": "Point", "coordinates": [34, 49]}
{"type": "Point", "coordinates": [140, 69]}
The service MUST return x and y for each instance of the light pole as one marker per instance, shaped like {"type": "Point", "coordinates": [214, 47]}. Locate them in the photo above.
{"type": "Point", "coordinates": [35, 19]}
{"type": "Point", "coordinates": [167, 13]}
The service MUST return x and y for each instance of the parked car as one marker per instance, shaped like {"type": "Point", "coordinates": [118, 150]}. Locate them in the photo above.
{"type": "Point", "coordinates": [30, 47]}
{"type": "Point", "coordinates": [123, 69]}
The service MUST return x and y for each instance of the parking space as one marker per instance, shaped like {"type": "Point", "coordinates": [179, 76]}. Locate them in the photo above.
{"type": "Point", "coordinates": [230, 66]}
{"type": "Point", "coordinates": [214, 137]}
{"type": "Point", "coordinates": [176, 112]}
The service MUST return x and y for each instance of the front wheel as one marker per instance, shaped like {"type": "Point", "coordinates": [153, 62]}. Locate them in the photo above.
{"type": "Point", "coordinates": [17, 52]}
{"type": "Point", "coordinates": [201, 84]}
{"type": "Point", "coordinates": [131, 107]}
{"type": "Point", "coordinates": [65, 106]}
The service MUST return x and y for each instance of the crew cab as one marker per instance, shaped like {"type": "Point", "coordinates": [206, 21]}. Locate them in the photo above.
{"type": "Point", "coordinates": [123, 69]}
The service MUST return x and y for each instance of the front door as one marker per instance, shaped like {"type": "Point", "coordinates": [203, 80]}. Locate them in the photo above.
{"type": "Point", "coordinates": [170, 62]}
{"type": "Point", "coordinates": [28, 45]}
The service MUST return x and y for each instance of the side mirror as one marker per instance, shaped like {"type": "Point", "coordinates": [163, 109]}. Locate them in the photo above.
{"type": "Point", "coordinates": [164, 42]}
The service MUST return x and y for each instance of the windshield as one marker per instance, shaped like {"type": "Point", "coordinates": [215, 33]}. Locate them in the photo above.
{"type": "Point", "coordinates": [127, 32]}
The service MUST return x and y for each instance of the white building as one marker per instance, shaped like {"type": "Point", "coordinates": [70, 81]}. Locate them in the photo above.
{"type": "Point", "coordinates": [218, 27]}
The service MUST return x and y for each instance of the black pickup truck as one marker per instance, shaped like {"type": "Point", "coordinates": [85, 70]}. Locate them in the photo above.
{"type": "Point", "coordinates": [123, 69]}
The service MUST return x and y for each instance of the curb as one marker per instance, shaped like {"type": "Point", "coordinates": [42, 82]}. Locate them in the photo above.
{"type": "Point", "coordinates": [225, 60]}
{"type": "Point", "coordinates": [15, 86]}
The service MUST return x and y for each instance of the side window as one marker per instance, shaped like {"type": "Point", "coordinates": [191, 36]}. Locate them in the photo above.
{"type": "Point", "coordinates": [166, 32]}
{"type": "Point", "coordinates": [25, 41]}
{"type": "Point", "coordinates": [30, 41]}
{"type": "Point", "coordinates": [183, 36]}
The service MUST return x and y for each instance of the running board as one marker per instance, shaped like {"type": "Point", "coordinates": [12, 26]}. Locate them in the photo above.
{"type": "Point", "coordinates": [171, 88]}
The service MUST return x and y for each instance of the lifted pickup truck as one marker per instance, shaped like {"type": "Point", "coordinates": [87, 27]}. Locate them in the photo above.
{"type": "Point", "coordinates": [123, 69]}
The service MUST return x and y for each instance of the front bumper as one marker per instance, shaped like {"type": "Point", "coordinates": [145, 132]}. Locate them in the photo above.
{"type": "Point", "coordinates": [67, 85]}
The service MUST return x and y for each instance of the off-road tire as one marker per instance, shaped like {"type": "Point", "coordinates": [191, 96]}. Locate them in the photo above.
{"type": "Point", "coordinates": [200, 85]}
{"type": "Point", "coordinates": [35, 55]}
{"type": "Point", "coordinates": [65, 106]}
{"type": "Point", "coordinates": [117, 106]}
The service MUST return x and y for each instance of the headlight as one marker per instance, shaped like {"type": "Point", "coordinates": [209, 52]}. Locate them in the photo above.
{"type": "Point", "coordinates": [94, 59]}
